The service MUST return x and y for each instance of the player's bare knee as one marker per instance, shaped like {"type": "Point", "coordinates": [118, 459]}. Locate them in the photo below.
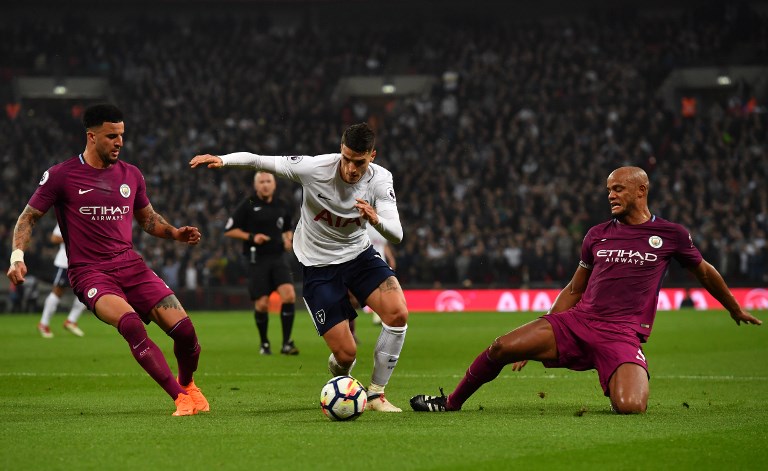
{"type": "Point", "coordinates": [629, 405]}
{"type": "Point", "coordinates": [262, 306]}
{"type": "Point", "coordinates": [345, 357]}
{"type": "Point", "coordinates": [395, 318]}
{"type": "Point", "coordinates": [498, 350]}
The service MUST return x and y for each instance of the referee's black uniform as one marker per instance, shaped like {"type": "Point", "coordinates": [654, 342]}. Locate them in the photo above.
{"type": "Point", "coordinates": [268, 267]}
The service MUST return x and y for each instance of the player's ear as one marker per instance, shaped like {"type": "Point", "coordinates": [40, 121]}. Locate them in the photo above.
{"type": "Point", "coordinates": [373, 154]}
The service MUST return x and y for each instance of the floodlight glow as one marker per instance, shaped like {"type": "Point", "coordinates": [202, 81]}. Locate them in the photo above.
{"type": "Point", "coordinates": [59, 90]}
{"type": "Point", "coordinates": [723, 80]}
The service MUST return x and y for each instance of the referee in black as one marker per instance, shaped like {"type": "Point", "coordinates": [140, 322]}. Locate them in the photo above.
{"type": "Point", "coordinates": [264, 224]}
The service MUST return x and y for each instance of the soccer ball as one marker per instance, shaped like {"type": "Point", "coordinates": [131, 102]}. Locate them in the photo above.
{"type": "Point", "coordinates": [343, 398]}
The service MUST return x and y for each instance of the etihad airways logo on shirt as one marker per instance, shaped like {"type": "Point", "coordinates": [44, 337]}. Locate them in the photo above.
{"type": "Point", "coordinates": [105, 213]}
{"type": "Point", "coordinates": [626, 256]}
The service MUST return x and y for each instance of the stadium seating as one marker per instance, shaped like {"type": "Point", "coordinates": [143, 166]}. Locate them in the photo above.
{"type": "Point", "coordinates": [498, 175]}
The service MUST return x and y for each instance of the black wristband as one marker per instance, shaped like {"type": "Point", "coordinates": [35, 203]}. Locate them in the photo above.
{"type": "Point", "coordinates": [251, 235]}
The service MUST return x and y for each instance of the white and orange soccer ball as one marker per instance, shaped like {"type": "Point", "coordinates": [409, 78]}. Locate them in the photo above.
{"type": "Point", "coordinates": [343, 398]}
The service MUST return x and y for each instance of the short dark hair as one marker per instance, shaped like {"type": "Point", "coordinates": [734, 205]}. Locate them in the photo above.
{"type": "Point", "coordinates": [359, 138]}
{"type": "Point", "coordinates": [96, 115]}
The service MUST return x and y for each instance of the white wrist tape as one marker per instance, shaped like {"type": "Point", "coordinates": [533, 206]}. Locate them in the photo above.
{"type": "Point", "coordinates": [17, 256]}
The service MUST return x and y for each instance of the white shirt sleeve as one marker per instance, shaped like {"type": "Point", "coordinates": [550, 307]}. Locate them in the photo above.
{"type": "Point", "coordinates": [389, 225]}
{"type": "Point", "coordinates": [386, 208]}
{"type": "Point", "coordinates": [246, 159]}
{"type": "Point", "coordinates": [298, 168]}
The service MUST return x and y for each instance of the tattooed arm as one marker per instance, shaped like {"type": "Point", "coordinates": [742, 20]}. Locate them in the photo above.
{"type": "Point", "coordinates": [22, 234]}
{"type": "Point", "coordinates": [154, 224]}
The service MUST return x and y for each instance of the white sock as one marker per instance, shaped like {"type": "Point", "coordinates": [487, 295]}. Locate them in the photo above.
{"type": "Point", "coordinates": [338, 370]}
{"type": "Point", "coordinates": [49, 308]}
{"type": "Point", "coordinates": [386, 353]}
{"type": "Point", "coordinates": [76, 311]}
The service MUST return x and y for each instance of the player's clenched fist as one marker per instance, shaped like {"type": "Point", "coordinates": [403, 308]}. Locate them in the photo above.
{"type": "Point", "coordinates": [16, 273]}
{"type": "Point", "coordinates": [190, 235]}
{"type": "Point", "coordinates": [213, 161]}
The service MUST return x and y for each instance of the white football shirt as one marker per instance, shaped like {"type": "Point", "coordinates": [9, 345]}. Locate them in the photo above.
{"type": "Point", "coordinates": [61, 256]}
{"type": "Point", "coordinates": [330, 230]}
{"type": "Point", "coordinates": [378, 241]}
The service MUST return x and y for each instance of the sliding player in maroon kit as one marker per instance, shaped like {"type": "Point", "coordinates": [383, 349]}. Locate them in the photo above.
{"type": "Point", "coordinates": [601, 318]}
{"type": "Point", "coordinates": [96, 196]}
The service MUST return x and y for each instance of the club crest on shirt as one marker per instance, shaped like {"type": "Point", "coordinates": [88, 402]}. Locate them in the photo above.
{"type": "Point", "coordinates": [655, 242]}
{"type": "Point", "coordinates": [44, 178]}
{"type": "Point", "coordinates": [125, 190]}
{"type": "Point", "coordinates": [92, 292]}
{"type": "Point", "coordinates": [320, 316]}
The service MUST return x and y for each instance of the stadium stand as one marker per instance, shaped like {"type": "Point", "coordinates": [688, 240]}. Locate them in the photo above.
{"type": "Point", "coordinates": [499, 165]}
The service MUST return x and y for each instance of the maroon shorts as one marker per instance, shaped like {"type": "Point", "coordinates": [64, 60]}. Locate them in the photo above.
{"type": "Point", "coordinates": [133, 281]}
{"type": "Point", "coordinates": [584, 344]}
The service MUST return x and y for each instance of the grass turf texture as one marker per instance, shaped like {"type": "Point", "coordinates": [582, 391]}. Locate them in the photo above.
{"type": "Point", "coordinates": [83, 403]}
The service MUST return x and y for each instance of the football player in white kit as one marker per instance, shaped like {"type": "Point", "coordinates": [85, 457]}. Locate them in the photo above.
{"type": "Point", "coordinates": [60, 282]}
{"type": "Point", "coordinates": [343, 193]}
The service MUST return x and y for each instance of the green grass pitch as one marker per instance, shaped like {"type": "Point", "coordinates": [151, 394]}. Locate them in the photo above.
{"type": "Point", "coordinates": [83, 403]}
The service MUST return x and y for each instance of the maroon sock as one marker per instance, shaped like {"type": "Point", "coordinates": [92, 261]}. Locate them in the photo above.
{"type": "Point", "coordinates": [147, 354]}
{"type": "Point", "coordinates": [186, 348]}
{"type": "Point", "coordinates": [481, 371]}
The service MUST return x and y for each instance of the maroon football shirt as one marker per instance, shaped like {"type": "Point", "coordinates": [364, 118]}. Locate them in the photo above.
{"type": "Point", "coordinates": [628, 265]}
{"type": "Point", "coordinates": [95, 209]}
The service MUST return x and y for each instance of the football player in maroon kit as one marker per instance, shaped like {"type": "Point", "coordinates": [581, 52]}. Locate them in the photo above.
{"type": "Point", "coordinates": [96, 197]}
{"type": "Point", "coordinates": [601, 318]}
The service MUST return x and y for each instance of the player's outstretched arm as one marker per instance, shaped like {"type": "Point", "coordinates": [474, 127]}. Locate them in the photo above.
{"type": "Point", "coordinates": [154, 224]}
{"type": "Point", "coordinates": [711, 279]}
{"type": "Point", "coordinates": [22, 234]}
{"type": "Point", "coordinates": [213, 161]}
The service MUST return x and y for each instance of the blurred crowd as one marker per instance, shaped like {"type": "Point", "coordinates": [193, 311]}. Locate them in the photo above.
{"type": "Point", "coordinates": [499, 168]}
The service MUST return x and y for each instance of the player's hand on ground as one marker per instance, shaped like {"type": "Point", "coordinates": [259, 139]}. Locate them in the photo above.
{"type": "Point", "coordinates": [745, 317]}
{"type": "Point", "coordinates": [190, 235]}
{"type": "Point", "coordinates": [518, 365]}
{"type": "Point", "coordinates": [366, 211]}
{"type": "Point", "coordinates": [213, 161]}
{"type": "Point", "coordinates": [16, 272]}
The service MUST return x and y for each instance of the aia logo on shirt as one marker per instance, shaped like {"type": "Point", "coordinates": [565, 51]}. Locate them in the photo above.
{"type": "Point", "coordinates": [338, 221]}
